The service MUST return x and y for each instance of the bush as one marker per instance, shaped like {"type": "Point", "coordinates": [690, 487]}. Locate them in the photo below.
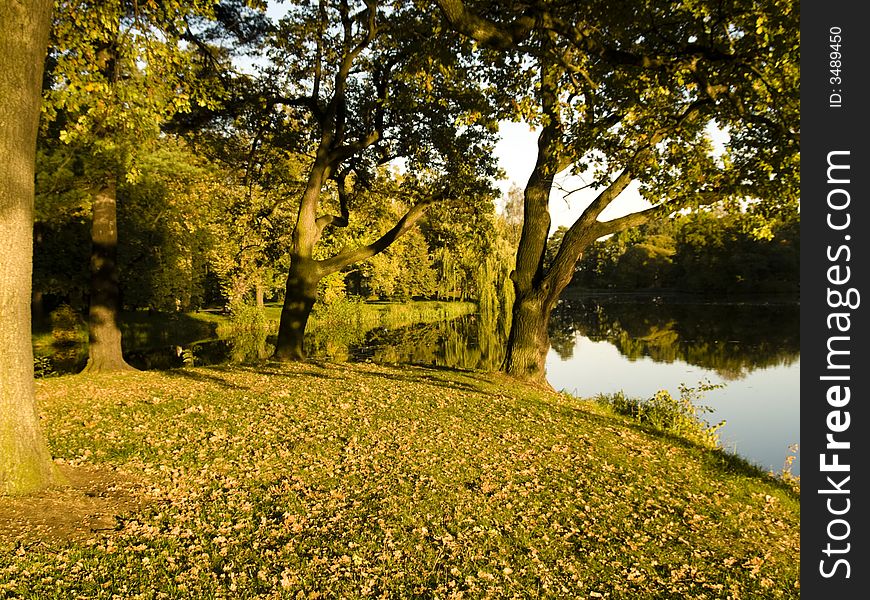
{"type": "Point", "coordinates": [246, 333]}
{"type": "Point", "coordinates": [43, 367]}
{"type": "Point", "coordinates": [67, 326]}
{"type": "Point", "coordinates": [677, 416]}
{"type": "Point", "coordinates": [331, 289]}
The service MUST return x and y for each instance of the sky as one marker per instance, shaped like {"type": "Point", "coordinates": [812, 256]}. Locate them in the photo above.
{"type": "Point", "coordinates": [516, 153]}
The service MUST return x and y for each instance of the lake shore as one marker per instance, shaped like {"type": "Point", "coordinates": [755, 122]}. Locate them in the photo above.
{"type": "Point", "coordinates": [679, 296]}
{"type": "Point", "coordinates": [321, 479]}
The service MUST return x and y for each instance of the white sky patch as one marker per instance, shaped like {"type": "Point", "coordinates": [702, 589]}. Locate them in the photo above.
{"type": "Point", "coordinates": [516, 153]}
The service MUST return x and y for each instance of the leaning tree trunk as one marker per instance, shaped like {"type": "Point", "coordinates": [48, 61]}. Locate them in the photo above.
{"type": "Point", "coordinates": [299, 297]}
{"type": "Point", "coordinates": [25, 463]}
{"type": "Point", "coordinates": [528, 341]}
{"type": "Point", "coordinates": [104, 334]}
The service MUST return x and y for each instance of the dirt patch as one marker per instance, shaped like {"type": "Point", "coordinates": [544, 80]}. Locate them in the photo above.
{"type": "Point", "coordinates": [87, 505]}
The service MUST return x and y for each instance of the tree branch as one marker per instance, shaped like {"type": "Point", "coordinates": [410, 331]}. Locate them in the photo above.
{"type": "Point", "coordinates": [483, 31]}
{"type": "Point", "coordinates": [343, 218]}
{"type": "Point", "coordinates": [405, 224]}
{"type": "Point", "coordinates": [345, 151]}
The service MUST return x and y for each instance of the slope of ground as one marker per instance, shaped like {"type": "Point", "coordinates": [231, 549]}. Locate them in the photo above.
{"type": "Point", "coordinates": [356, 480]}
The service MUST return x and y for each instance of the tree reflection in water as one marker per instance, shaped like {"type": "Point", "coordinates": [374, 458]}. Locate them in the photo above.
{"type": "Point", "coordinates": [732, 339]}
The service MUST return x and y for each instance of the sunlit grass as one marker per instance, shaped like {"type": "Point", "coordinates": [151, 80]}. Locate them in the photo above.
{"type": "Point", "coordinates": [323, 480]}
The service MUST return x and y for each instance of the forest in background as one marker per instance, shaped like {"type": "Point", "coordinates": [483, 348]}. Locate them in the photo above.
{"type": "Point", "coordinates": [217, 153]}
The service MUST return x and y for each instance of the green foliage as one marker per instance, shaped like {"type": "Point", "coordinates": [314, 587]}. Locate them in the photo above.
{"type": "Point", "coordinates": [403, 271]}
{"type": "Point", "coordinates": [164, 221]}
{"type": "Point", "coordinates": [710, 251]}
{"type": "Point", "coordinates": [43, 367]}
{"type": "Point", "coordinates": [331, 289]}
{"type": "Point", "coordinates": [246, 333]}
{"type": "Point", "coordinates": [67, 326]}
{"type": "Point", "coordinates": [678, 416]}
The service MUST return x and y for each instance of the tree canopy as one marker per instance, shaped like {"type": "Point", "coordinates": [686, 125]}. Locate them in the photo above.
{"type": "Point", "coordinates": [346, 148]}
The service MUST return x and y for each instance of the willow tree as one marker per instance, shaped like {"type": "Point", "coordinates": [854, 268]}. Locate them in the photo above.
{"type": "Point", "coordinates": [118, 70]}
{"type": "Point", "coordinates": [25, 464]}
{"type": "Point", "coordinates": [625, 92]}
{"type": "Point", "coordinates": [367, 83]}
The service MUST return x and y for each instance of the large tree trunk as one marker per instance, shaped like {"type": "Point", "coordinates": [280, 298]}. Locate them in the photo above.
{"type": "Point", "coordinates": [299, 297]}
{"type": "Point", "coordinates": [104, 334]}
{"type": "Point", "coordinates": [528, 341]}
{"type": "Point", "coordinates": [25, 463]}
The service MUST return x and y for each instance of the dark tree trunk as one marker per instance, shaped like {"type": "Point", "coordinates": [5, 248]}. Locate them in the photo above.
{"type": "Point", "coordinates": [37, 308]}
{"type": "Point", "coordinates": [529, 341]}
{"type": "Point", "coordinates": [104, 335]}
{"type": "Point", "coordinates": [25, 463]}
{"type": "Point", "coordinates": [37, 299]}
{"type": "Point", "coordinates": [299, 297]}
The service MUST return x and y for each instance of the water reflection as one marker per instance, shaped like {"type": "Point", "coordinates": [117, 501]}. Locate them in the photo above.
{"type": "Point", "coordinates": [730, 339]}
{"type": "Point", "coordinates": [640, 347]}
{"type": "Point", "coordinates": [467, 342]}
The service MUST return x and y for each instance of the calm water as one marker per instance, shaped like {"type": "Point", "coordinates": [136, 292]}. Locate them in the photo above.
{"type": "Point", "coordinates": [642, 347]}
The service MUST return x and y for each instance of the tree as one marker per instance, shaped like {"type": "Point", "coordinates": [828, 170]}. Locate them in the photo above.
{"type": "Point", "coordinates": [118, 70]}
{"type": "Point", "coordinates": [624, 92]}
{"type": "Point", "coordinates": [367, 84]}
{"type": "Point", "coordinates": [25, 463]}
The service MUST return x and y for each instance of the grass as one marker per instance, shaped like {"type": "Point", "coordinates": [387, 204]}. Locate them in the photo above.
{"type": "Point", "coordinates": [318, 480]}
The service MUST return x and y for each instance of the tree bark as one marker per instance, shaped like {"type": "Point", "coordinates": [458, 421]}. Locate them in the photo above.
{"type": "Point", "coordinates": [104, 334]}
{"type": "Point", "coordinates": [299, 297]}
{"type": "Point", "coordinates": [25, 463]}
{"type": "Point", "coordinates": [528, 341]}
{"type": "Point", "coordinates": [259, 293]}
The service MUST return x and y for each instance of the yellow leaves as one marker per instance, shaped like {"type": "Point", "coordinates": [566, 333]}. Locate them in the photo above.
{"type": "Point", "coordinates": [264, 481]}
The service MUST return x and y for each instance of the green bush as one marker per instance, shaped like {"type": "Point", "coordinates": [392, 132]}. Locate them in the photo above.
{"type": "Point", "coordinates": [246, 333]}
{"type": "Point", "coordinates": [67, 326]}
{"type": "Point", "coordinates": [331, 289]}
{"type": "Point", "coordinates": [678, 416]}
{"type": "Point", "coordinates": [43, 367]}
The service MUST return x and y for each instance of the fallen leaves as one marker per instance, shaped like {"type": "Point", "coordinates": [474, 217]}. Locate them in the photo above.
{"type": "Point", "coordinates": [363, 480]}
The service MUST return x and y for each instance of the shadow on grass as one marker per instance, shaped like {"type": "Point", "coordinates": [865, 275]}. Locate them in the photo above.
{"type": "Point", "coordinates": [270, 368]}
{"type": "Point", "coordinates": [430, 379]}
{"type": "Point", "coordinates": [201, 377]}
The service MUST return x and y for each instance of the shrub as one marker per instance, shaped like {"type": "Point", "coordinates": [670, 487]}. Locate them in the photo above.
{"type": "Point", "coordinates": [678, 416]}
{"type": "Point", "coordinates": [331, 289]}
{"type": "Point", "coordinates": [246, 333]}
{"type": "Point", "coordinates": [43, 367]}
{"type": "Point", "coordinates": [67, 326]}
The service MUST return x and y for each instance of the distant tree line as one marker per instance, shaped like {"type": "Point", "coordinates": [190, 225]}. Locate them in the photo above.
{"type": "Point", "coordinates": [710, 251]}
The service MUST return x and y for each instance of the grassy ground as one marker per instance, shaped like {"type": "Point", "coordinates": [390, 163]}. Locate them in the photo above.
{"type": "Point", "coordinates": [355, 480]}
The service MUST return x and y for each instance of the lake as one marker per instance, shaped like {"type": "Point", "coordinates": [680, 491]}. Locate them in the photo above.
{"type": "Point", "coordinates": [640, 347]}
